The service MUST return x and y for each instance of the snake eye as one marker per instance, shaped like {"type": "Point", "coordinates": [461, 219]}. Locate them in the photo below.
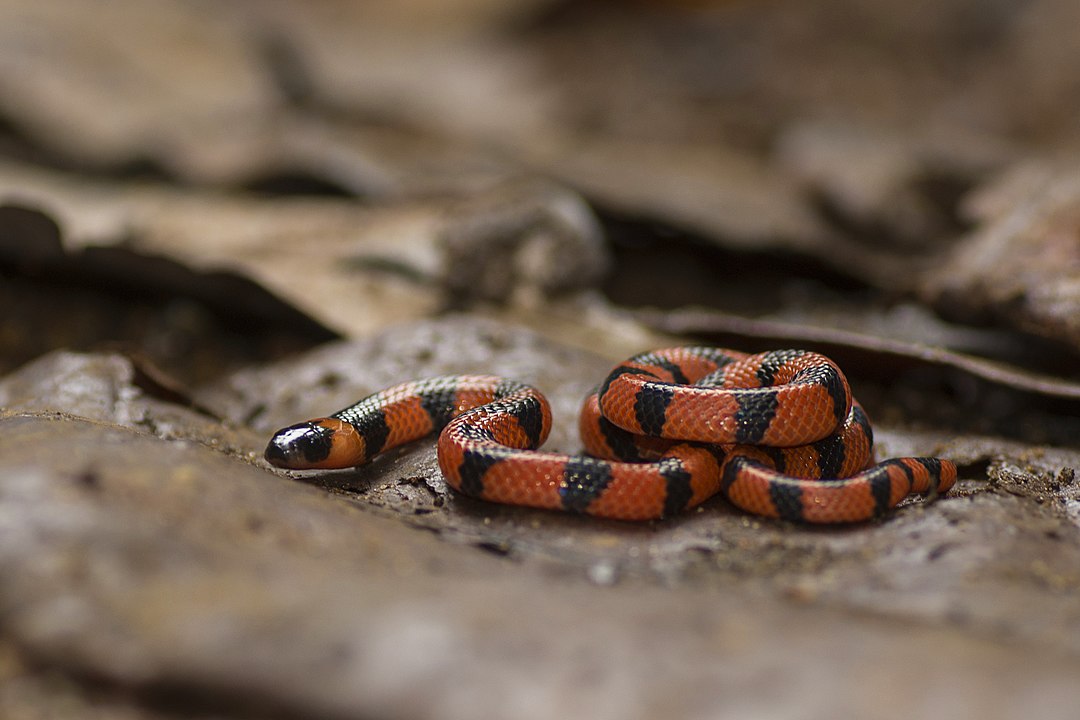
{"type": "Point", "coordinates": [301, 446]}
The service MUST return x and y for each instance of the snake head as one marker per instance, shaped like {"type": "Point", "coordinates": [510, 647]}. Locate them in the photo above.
{"type": "Point", "coordinates": [323, 443]}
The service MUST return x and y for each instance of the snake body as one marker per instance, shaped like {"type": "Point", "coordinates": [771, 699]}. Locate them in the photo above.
{"type": "Point", "coordinates": [777, 433]}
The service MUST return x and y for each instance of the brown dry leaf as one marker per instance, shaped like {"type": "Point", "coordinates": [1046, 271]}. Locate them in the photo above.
{"type": "Point", "coordinates": [694, 127]}
{"type": "Point", "coordinates": [712, 190]}
{"type": "Point", "coordinates": [1022, 264]}
{"type": "Point", "coordinates": [103, 83]}
{"type": "Point", "coordinates": [352, 268]}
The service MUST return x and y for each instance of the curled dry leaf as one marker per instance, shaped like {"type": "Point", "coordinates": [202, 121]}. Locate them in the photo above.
{"type": "Point", "coordinates": [658, 131]}
{"type": "Point", "coordinates": [1022, 263]}
{"type": "Point", "coordinates": [102, 85]}
{"type": "Point", "coordinates": [351, 268]}
{"type": "Point", "coordinates": [872, 354]}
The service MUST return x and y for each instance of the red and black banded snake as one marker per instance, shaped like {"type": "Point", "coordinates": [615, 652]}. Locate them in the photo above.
{"type": "Point", "coordinates": [778, 434]}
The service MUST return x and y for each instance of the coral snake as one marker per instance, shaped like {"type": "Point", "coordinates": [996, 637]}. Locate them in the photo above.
{"type": "Point", "coordinates": [776, 433]}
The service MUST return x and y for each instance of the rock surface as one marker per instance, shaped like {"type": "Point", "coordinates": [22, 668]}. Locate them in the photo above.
{"type": "Point", "coordinates": [188, 570]}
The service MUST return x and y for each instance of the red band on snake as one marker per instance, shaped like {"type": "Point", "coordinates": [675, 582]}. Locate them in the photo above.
{"type": "Point", "coordinates": [777, 434]}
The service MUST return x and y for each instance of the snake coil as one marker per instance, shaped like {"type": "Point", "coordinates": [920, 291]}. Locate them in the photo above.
{"type": "Point", "coordinates": [777, 433]}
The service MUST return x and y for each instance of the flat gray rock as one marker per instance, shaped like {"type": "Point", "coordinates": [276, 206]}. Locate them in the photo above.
{"type": "Point", "coordinates": [169, 566]}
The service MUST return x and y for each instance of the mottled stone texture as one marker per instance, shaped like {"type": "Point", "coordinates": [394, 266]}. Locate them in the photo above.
{"type": "Point", "coordinates": [175, 569]}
